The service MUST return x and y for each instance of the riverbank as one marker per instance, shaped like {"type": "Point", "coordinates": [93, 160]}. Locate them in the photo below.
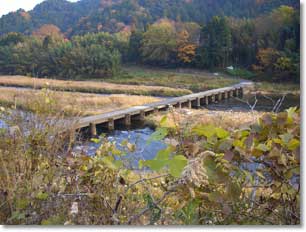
{"type": "Point", "coordinates": [98, 87]}
{"type": "Point", "coordinates": [268, 88]}
{"type": "Point", "coordinates": [70, 104]}
{"type": "Point", "coordinates": [188, 118]}
{"type": "Point", "coordinates": [138, 80]}
{"type": "Point", "coordinates": [191, 79]}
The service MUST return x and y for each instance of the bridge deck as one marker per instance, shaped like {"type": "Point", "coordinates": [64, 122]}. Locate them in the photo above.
{"type": "Point", "coordinates": [191, 99]}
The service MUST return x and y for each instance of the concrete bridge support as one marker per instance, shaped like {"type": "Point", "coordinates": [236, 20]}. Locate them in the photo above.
{"type": "Point", "coordinates": [111, 124]}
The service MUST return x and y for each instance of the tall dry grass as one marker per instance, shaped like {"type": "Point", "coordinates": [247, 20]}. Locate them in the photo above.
{"type": "Point", "coordinates": [72, 104]}
{"type": "Point", "coordinates": [90, 86]}
{"type": "Point", "coordinates": [228, 120]}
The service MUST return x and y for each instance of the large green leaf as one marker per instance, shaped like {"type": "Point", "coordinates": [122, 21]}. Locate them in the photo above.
{"type": "Point", "coordinates": [293, 144]}
{"type": "Point", "coordinates": [164, 154]}
{"type": "Point", "coordinates": [156, 165]}
{"type": "Point", "coordinates": [262, 147]}
{"type": "Point", "coordinates": [111, 163]}
{"type": "Point", "coordinates": [207, 131]}
{"type": "Point", "coordinates": [177, 164]}
{"type": "Point", "coordinates": [221, 133]}
{"type": "Point", "coordinates": [163, 121]}
{"type": "Point", "coordinates": [158, 135]}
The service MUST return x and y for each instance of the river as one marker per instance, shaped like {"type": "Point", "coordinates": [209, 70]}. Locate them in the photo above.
{"type": "Point", "coordinates": [139, 136]}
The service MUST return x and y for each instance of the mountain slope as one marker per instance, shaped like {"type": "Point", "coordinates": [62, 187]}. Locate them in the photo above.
{"type": "Point", "coordinates": [115, 15]}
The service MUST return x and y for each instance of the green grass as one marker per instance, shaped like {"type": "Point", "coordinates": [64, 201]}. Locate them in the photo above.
{"type": "Point", "coordinates": [242, 73]}
{"type": "Point", "coordinates": [194, 80]}
{"type": "Point", "coordinates": [278, 88]}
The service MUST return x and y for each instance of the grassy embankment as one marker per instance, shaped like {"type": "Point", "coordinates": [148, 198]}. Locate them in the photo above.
{"type": "Point", "coordinates": [194, 80]}
{"type": "Point", "coordinates": [198, 80]}
{"type": "Point", "coordinates": [263, 86]}
{"type": "Point", "coordinates": [90, 86]}
{"type": "Point", "coordinates": [133, 80]}
{"type": "Point", "coordinates": [136, 80]}
{"type": "Point", "coordinates": [268, 88]}
{"type": "Point", "coordinates": [71, 104]}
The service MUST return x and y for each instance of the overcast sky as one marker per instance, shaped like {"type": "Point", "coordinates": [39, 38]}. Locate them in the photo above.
{"type": "Point", "coordinates": [7, 6]}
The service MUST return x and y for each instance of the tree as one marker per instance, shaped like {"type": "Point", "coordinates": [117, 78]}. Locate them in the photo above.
{"type": "Point", "coordinates": [216, 44]}
{"type": "Point", "coordinates": [266, 59]}
{"type": "Point", "coordinates": [244, 41]}
{"type": "Point", "coordinates": [48, 30]}
{"type": "Point", "coordinates": [11, 38]}
{"type": "Point", "coordinates": [95, 55]}
{"type": "Point", "coordinates": [159, 43]}
{"type": "Point", "coordinates": [134, 52]}
{"type": "Point", "coordinates": [186, 50]}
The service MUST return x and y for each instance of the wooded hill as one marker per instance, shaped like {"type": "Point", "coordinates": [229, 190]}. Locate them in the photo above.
{"type": "Point", "coordinates": [116, 15]}
{"type": "Point", "coordinates": [91, 37]}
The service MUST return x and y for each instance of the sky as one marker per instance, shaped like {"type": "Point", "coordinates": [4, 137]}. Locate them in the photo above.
{"type": "Point", "coordinates": [7, 6]}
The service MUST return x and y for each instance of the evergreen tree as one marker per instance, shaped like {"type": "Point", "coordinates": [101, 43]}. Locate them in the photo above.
{"type": "Point", "coordinates": [216, 44]}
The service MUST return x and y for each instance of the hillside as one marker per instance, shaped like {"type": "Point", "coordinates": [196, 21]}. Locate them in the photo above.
{"type": "Point", "coordinates": [117, 15]}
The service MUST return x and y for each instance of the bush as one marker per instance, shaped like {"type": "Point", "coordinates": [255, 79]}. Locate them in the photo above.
{"type": "Point", "coordinates": [242, 73]}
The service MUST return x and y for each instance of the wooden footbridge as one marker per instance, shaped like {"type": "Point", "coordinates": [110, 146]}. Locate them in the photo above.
{"type": "Point", "coordinates": [137, 113]}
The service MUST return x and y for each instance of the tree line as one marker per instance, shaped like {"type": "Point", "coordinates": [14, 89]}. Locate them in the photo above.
{"type": "Point", "coordinates": [268, 44]}
{"type": "Point", "coordinates": [92, 55]}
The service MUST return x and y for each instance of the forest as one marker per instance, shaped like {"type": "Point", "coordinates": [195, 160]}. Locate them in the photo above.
{"type": "Point", "coordinates": [266, 46]}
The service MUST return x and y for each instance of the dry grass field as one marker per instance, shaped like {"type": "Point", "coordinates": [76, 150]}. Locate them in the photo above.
{"type": "Point", "coordinates": [71, 104]}
{"type": "Point", "coordinates": [90, 86]}
{"type": "Point", "coordinates": [187, 118]}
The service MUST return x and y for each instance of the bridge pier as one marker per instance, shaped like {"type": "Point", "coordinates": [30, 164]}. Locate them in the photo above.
{"type": "Point", "coordinates": [230, 94]}
{"type": "Point", "coordinates": [236, 93]}
{"type": "Point", "coordinates": [211, 99]}
{"type": "Point", "coordinates": [142, 115]}
{"type": "Point", "coordinates": [241, 92]}
{"type": "Point", "coordinates": [216, 97]}
{"type": "Point", "coordinates": [179, 105]}
{"type": "Point", "coordinates": [189, 104]}
{"type": "Point", "coordinates": [220, 97]}
{"type": "Point", "coordinates": [206, 100]}
{"type": "Point", "coordinates": [93, 130]}
{"type": "Point", "coordinates": [127, 120]}
{"type": "Point", "coordinates": [202, 101]}
{"type": "Point", "coordinates": [224, 94]}
{"type": "Point", "coordinates": [111, 124]}
{"type": "Point", "coordinates": [197, 103]}
{"type": "Point", "coordinates": [139, 117]}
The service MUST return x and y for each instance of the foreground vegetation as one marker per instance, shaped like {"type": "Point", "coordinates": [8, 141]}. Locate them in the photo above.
{"type": "Point", "coordinates": [69, 104]}
{"type": "Point", "coordinates": [242, 173]}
